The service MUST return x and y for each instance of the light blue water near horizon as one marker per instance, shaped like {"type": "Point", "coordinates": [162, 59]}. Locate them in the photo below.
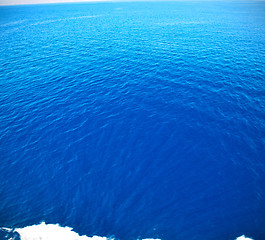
{"type": "Point", "coordinates": [134, 120]}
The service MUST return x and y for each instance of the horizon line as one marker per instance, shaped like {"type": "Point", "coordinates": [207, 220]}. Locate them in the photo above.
{"type": "Point", "coordinates": [30, 2]}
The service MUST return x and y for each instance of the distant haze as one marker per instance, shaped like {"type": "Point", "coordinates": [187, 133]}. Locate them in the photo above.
{"type": "Point", "coordinates": [15, 2]}
{"type": "Point", "coordinates": [18, 2]}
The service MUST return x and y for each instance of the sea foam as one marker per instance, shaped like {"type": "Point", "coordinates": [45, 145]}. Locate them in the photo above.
{"type": "Point", "coordinates": [52, 232]}
{"type": "Point", "coordinates": [45, 231]}
{"type": "Point", "coordinates": [243, 238]}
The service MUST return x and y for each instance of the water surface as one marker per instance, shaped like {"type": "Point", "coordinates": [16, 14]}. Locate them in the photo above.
{"type": "Point", "coordinates": [134, 120]}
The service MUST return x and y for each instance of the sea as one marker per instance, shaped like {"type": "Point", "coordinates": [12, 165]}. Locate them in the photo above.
{"type": "Point", "coordinates": [132, 120]}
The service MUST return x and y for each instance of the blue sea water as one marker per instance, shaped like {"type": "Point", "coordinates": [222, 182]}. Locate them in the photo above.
{"type": "Point", "coordinates": [134, 120]}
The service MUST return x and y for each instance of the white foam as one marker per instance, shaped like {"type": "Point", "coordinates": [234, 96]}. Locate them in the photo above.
{"type": "Point", "coordinates": [243, 238]}
{"type": "Point", "coordinates": [52, 232]}
{"type": "Point", "coordinates": [45, 231]}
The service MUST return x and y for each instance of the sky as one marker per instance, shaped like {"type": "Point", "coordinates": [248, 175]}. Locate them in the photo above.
{"type": "Point", "coordinates": [15, 2]}
{"type": "Point", "coordinates": [18, 2]}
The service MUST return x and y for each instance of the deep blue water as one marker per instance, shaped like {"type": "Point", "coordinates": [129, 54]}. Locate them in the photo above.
{"type": "Point", "coordinates": [134, 119]}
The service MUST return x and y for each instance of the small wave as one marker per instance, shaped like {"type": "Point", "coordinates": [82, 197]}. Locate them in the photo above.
{"type": "Point", "coordinates": [182, 23]}
{"type": "Point", "coordinates": [15, 23]}
{"type": "Point", "coordinates": [88, 16]}
{"type": "Point", "coordinates": [64, 19]}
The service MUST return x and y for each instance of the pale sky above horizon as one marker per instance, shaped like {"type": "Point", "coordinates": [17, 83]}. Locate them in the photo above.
{"type": "Point", "coordinates": [20, 2]}
{"type": "Point", "coordinates": [15, 2]}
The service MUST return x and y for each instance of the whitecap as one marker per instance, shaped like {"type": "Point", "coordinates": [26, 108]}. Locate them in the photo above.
{"type": "Point", "coordinates": [45, 231]}
{"type": "Point", "coordinates": [243, 238]}
{"type": "Point", "coordinates": [52, 232]}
